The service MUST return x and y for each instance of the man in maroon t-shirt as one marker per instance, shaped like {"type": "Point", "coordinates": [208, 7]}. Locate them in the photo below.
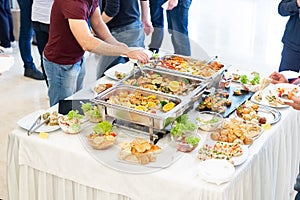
{"type": "Point", "coordinates": [69, 38]}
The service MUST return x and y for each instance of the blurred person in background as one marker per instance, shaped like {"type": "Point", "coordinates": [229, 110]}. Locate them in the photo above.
{"type": "Point", "coordinates": [127, 24]}
{"type": "Point", "coordinates": [290, 55]}
{"type": "Point", "coordinates": [69, 37]}
{"type": "Point", "coordinates": [6, 27]}
{"type": "Point", "coordinates": [25, 37]}
{"type": "Point", "coordinates": [177, 18]}
{"type": "Point", "coordinates": [40, 17]}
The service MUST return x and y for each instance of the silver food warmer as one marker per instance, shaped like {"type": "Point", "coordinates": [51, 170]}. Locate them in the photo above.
{"type": "Point", "coordinates": [158, 120]}
{"type": "Point", "coordinates": [156, 63]}
{"type": "Point", "coordinates": [194, 85]}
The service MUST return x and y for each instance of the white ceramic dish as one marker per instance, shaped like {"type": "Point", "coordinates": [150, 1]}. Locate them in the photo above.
{"type": "Point", "coordinates": [121, 67]}
{"type": "Point", "coordinates": [109, 157]}
{"type": "Point", "coordinates": [101, 82]}
{"type": "Point", "coordinates": [27, 121]}
{"type": "Point", "coordinates": [241, 159]}
{"type": "Point", "coordinates": [216, 171]}
{"type": "Point", "coordinates": [270, 90]}
{"type": "Point", "coordinates": [287, 87]}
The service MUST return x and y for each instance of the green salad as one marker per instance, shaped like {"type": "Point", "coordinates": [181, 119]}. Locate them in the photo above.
{"type": "Point", "coordinates": [254, 79]}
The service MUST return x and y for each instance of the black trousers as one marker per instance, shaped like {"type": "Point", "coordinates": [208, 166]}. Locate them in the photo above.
{"type": "Point", "coordinates": [41, 31]}
{"type": "Point", "coordinates": [6, 24]}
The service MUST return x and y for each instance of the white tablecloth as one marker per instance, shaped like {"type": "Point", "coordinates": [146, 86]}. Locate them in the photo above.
{"type": "Point", "coordinates": [60, 168]}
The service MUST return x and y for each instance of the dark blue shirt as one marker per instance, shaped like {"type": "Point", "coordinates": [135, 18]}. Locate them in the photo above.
{"type": "Point", "coordinates": [124, 12]}
{"type": "Point", "coordinates": [291, 36]}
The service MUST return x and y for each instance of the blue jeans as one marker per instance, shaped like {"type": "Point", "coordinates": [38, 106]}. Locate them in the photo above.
{"type": "Point", "coordinates": [6, 24]}
{"type": "Point", "coordinates": [26, 33]}
{"type": "Point", "coordinates": [132, 35]}
{"type": "Point", "coordinates": [290, 60]}
{"type": "Point", "coordinates": [63, 80]}
{"type": "Point", "coordinates": [177, 19]}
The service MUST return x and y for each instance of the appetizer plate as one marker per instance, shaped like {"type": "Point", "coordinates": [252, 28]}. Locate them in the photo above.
{"type": "Point", "coordinates": [282, 89]}
{"type": "Point", "coordinates": [110, 156]}
{"type": "Point", "coordinates": [268, 92]}
{"type": "Point", "coordinates": [125, 68]}
{"type": "Point", "coordinates": [241, 159]}
{"type": "Point", "coordinates": [272, 115]}
{"type": "Point", "coordinates": [100, 84]}
{"type": "Point", "coordinates": [208, 153]}
{"type": "Point", "coordinates": [216, 171]}
{"type": "Point", "coordinates": [27, 121]}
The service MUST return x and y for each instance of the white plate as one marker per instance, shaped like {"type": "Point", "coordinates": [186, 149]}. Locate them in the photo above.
{"type": "Point", "coordinates": [267, 91]}
{"type": "Point", "coordinates": [242, 158]}
{"type": "Point", "coordinates": [109, 157]}
{"type": "Point", "coordinates": [216, 171]}
{"type": "Point", "coordinates": [100, 82]}
{"type": "Point", "coordinates": [121, 67]}
{"type": "Point", "coordinates": [238, 160]}
{"type": "Point", "coordinates": [286, 87]}
{"type": "Point", "coordinates": [290, 74]}
{"type": "Point", "coordinates": [27, 121]}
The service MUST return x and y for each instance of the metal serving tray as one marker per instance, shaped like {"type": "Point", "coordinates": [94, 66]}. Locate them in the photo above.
{"type": "Point", "coordinates": [194, 85]}
{"type": "Point", "coordinates": [189, 69]}
{"type": "Point", "coordinates": [158, 120]}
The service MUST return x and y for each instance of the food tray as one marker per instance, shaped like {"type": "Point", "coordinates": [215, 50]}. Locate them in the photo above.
{"type": "Point", "coordinates": [166, 82]}
{"type": "Point", "coordinates": [157, 119]}
{"type": "Point", "coordinates": [189, 66]}
{"type": "Point", "coordinates": [236, 100]}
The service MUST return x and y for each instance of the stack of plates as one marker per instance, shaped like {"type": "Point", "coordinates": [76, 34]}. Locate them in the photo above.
{"type": "Point", "coordinates": [216, 171]}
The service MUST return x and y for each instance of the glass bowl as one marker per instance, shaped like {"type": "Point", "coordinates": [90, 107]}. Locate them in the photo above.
{"type": "Point", "coordinates": [209, 121]}
{"type": "Point", "coordinates": [69, 126]}
{"type": "Point", "coordinates": [187, 142]}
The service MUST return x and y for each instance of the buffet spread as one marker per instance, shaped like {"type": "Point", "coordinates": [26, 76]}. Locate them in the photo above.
{"type": "Point", "coordinates": [153, 114]}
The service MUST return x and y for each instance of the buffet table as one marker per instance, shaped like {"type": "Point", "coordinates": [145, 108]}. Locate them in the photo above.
{"type": "Point", "coordinates": [60, 168]}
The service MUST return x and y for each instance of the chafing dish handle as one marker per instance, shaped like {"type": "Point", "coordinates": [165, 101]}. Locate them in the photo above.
{"type": "Point", "coordinates": [199, 95]}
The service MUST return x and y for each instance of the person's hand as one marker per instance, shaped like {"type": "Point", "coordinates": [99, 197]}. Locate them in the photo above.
{"type": "Point", "coordinates": [295, 104]}
{"type": "Point", "coordinates": [138, 55]}
{"type": "Point", "coordinates": [298, 3]}
{"type": "Point", "coordinates": [148, 28]}
{"type": "Point", "coordinates": [172, 4]}
{"type": "Point", "coordinates": [278, 78]}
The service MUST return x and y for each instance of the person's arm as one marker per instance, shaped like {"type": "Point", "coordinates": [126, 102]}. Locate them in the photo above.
{"type": "Point", "coordinates": [172, 4]}
{"type": "Point", "coordinates": [145, 13]}
{"type": "Point", "coordinates": [112, 8]}
{"type": "Point", "coordinates": [88, 42]}
{"type": "Point", "coordinates": [289, 7]}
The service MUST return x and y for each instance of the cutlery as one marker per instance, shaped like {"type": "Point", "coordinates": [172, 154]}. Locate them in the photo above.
{"type": "Point", "coordinates": [38, 126]}
{"type": "Point", "coordinates": [38, 119]}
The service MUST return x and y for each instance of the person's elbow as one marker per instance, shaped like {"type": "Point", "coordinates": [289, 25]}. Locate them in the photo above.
{"type": "Point", "coordinates": [87, 44]}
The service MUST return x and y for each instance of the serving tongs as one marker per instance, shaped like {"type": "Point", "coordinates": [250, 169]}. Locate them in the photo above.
{"type": "Point", "coordinates": [37, 124]}
{"type": "Point", "coordinates": [136, 65]}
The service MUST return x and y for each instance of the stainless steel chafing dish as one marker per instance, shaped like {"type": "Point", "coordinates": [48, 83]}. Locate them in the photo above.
{"type": "Point", "coordinates": [189, 69]}
{"type": "Point", "coordinates": [158, 120]}
{"type": "Point", "coordinates": [191, 91]}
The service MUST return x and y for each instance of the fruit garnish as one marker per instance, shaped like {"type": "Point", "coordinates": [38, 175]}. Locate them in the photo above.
{"type": "Point", "coordinates": [169, 106]}
{"type": "Point", "coordinates": [174, 86]}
